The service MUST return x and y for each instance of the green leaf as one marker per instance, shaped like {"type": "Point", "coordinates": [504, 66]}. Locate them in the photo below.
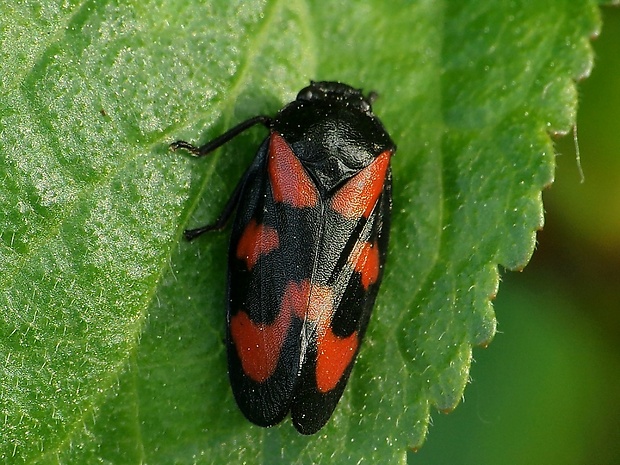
{"type": "Point", "coordinates": [112, 325]}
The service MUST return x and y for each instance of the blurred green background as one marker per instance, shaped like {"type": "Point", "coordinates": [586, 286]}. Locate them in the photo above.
{"type": "Point", "coordinates": [547, 390]}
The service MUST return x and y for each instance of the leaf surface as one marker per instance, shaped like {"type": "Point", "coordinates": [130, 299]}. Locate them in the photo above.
{"type": "Point", "coordinates": [112, 325]}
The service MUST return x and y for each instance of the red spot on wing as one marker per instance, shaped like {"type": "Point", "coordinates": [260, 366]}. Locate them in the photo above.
{"type": "Point", "coordinates": [256, 240]}
{"type": "Point", "coordinates": [365, 260]}
{"type": "Point", "coordinates": [334, 354]}
{"type": "Point", "coordinates": [296, 298]}
{"type": "Point", "coordinates": [333, 358]}
{"type": "Point", "coordinates": [321, 306]}
{"type": "Point", "coordinates": [289, 180]}
{"type": "Point", "coordinates": [259, 345]}
{"type": "Point", "coordinates": [358, 196]}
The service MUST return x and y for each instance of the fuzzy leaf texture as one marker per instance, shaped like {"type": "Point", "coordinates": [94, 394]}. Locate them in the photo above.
{"type": "Point", "coordinates": [112, 324]}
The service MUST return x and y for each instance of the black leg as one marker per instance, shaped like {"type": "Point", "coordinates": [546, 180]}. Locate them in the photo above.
{"type": "Point", "coordinates": [222, 220]}
{"type": "Point", "coordinates": [221, 140]}
{"type": "Point", "coordinates": [209, 147]}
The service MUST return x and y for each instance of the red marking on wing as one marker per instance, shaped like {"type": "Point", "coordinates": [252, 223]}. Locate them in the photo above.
{"type": "Point", "coordinates": [334, 354]}
{"type": "Point", "coordinates": [358, 196]}
{"type": "Point", "coordinates": [333, 357]}
{"type": "Point", "coordinates": [289, 180]}
{"type": "Point", "coordinates": [259, 345]}
{"type": "Point", "coordinates": [296, 298]}
{"type": "Point", "coordinates": [321, 306]}
{"type": "Point", "coordinates": [256, 240]}
{"type": "Point", "coordinates": [365, 260]}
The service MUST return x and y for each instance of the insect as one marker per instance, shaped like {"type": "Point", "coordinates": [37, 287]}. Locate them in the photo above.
{"type": "Point", "coordinates": [307, 251]}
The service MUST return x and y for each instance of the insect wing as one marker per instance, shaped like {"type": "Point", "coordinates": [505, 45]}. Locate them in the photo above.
{"type": "Point", "coordinates": [273, 246]}
{"type": "Point", "coordinates": [344, 286]}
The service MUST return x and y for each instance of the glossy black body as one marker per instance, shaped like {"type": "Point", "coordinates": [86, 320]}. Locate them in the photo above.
{"type": "Point", "coordinates": [333, 132]}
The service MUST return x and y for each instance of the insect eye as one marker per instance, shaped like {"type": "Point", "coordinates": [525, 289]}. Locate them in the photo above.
{"type": "Point", "coordinates": [305, 94]}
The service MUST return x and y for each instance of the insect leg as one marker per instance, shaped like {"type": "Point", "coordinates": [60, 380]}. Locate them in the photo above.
{"type": "Point", "coordinates": [222, 220]}
{"type": "Point", "coordinates": [205, 150]}
{"type": "Point", "coordinates": [221, 140]}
